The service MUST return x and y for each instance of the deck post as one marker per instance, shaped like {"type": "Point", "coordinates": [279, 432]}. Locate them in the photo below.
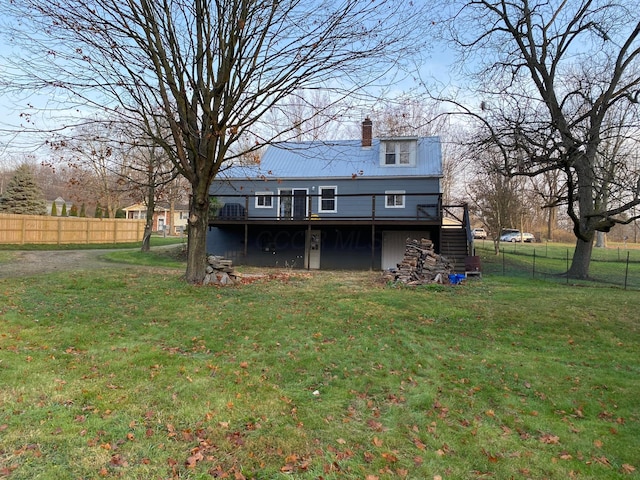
{"type": "Point", "coordinates": [246, 238]}
{"type": "Point", "coordinates": [373, 231]}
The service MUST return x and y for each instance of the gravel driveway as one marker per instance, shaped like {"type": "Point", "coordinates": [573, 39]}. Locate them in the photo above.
{"type": "Point", "coordinates": [24, 263]}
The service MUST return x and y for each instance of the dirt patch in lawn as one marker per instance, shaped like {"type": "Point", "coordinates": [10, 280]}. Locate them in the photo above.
{"type": "Point", "coordinates": [25, 263]}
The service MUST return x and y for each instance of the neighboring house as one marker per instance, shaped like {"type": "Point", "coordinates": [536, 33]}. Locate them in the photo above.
{"type": "Point", "coordinates": [161, 216]}
{"type": "Point", "coordinates": [333, 205]}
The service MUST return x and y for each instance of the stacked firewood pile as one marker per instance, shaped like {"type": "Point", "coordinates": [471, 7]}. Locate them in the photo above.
{"type": "Point", "coordinates": [421, 265]}
{"type": "Point", "coordinates": [219, 271]}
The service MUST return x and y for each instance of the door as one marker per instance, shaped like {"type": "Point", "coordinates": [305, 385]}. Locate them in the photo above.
{"type": "Point", "coordinates": [293, 203]}
{"type": "Point", "coordinates": [312, 250]}
{"type": "Point", "coordinates": [299, 204]}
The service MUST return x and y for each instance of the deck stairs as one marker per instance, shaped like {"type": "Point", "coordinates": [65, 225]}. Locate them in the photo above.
{"type": "Point", "coordinates": [454, 246]}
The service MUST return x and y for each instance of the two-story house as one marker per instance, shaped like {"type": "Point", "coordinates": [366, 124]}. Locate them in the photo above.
{"type": "Point", "coordinates": [164, 215]}
{"type": "Point", "coordinates": [332, 204]}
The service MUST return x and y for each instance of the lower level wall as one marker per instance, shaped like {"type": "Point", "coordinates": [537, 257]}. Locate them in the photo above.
{"type": "Point", "coordinates": [346, 248]}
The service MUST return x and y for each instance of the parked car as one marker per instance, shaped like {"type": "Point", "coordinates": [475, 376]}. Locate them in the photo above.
{"type": "Point", "coordinates": [479, 233]}
{"type": "Point", "coordinates": [518, 237]}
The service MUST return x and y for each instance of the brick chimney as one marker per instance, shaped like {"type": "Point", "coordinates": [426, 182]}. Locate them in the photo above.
{"type": "Point", "coordinates": [367, 132]}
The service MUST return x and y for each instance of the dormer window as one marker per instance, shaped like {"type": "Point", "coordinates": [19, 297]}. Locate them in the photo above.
{"type": "Point", "coordinates": [398, 152]}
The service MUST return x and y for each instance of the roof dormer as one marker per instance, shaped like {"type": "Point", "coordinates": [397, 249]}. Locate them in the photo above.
{"type": "Point", "coordinates": [398, 151]}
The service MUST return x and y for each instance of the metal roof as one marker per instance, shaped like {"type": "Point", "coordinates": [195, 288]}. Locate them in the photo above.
{"type": "Point", "coordinates": [338, 159]}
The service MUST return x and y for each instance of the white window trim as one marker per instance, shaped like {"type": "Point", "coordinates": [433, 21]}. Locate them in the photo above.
{"type": "Point", "coordinates": [396, 193]}
{"type": "Point", "coordinates": [335, 199]}
{"type": "Point", "coordinates": [413, 149]}
{"type": "Point", "coordinates": [263, 194]}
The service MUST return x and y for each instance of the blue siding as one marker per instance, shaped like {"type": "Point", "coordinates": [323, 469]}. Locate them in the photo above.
{"type": "Point", "coordinates": [346, 206]}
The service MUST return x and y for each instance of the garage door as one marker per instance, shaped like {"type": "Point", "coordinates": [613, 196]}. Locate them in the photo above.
{"type": "Point", "coordinates": [393, 246]}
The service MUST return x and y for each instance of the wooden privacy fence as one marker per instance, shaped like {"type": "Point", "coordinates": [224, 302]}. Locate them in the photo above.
{"type": "Point", "coordinates": [41, 229]}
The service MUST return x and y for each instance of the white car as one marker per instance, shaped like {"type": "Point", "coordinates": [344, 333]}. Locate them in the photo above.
{"type": "Point", "coordinates": [518, 237]}
{"type": "Point", "coordinates": [479, 233]}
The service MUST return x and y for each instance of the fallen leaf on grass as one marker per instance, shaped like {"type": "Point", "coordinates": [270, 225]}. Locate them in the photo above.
{"type": "Point", "coordinates": [193, 460]}
{"type": "Point", "coordinates": [419, 445]}
{"type": "Point", "coordinates": [377, 426]}
{"type": "Point", "coordinates": [626, 468]}
{"type": "Point", "coordinates": [118, 461]}
{"type": "Point", "coordinates": [601, 460]}
{"type": "Point", "coordinates": [549, 439]}
{"type": "Point", "coordinates": [389, 457]}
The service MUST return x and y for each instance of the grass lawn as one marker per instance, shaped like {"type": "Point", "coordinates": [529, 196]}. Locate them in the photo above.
{"type": "Point", "coordinates": [618, 265]}
{"type": "Point", "coordinates": [331, 375]}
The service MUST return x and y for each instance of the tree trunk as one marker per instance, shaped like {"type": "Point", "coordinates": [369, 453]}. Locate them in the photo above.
{"type": "Point", "coordinates": [148, 224]}
{"type": "Point", "coordinates": [583, 223]}
{"type": "Point", "coordinates": [581, 259]}
{"type": "Point", "coordinates": [197, 235]}
{"type": "Point", "coordinates": [601, 240]}
{"type": "Point", "coordinates": [146, 237]}
{"type": "Point", "coordinates": [552, 220]}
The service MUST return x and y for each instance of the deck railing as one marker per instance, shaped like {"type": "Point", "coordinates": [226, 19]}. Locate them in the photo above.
{"type": "Point", "coordinates": [356, 207]}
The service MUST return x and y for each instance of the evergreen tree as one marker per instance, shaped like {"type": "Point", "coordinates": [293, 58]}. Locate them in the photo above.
{"type": "Point", "coordinates": [73, 211]}
{"type": "Point", "coordinates": [64, 209]}
{"type": "Point", "coordinates": [98, 213]}
{"type": "Point", "coordinates": [83, 212]}
{"type": "Point", "coordinates": [23, 196]}
{"type": "Point", "coordinates": [54, 209]}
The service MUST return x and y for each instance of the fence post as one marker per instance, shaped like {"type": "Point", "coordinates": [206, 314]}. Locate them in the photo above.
{"type": "Point", "coordinates": [626, 272]}
{"type": "Point", "coordinates": [534, 264]}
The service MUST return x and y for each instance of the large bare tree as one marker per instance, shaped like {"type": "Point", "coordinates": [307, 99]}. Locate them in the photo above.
{"type": "Point", "coordinates": [207, 69]}
{"type": "Point", "coordinates": [545, 78]}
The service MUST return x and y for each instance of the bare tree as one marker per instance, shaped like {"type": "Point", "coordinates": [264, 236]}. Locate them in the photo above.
{"type": "Point", "coordinates": [546, 74]}
{"type": "Point", "coordinates": [94, 153]}
{"type": "Point", "coordinates": [496, 199]}
{"type": "Point", "coordinates": [306, 116]}
{"type": "Point", "coordinates": [209, 69]}
{"type": "Point", "coordinates": [408, 115]}
{"type": "Point", "coordinates": [150, 175]}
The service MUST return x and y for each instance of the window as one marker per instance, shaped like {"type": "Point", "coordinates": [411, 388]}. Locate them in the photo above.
{"type": "Point", "coordinates": [264, 199]}
{"type": "Point", "coordinates": [394, 199]}
{"type": "Point", "coordinates": [328, 199]}
{"type": "Point", "coordinates": [398, 152]}
{"type": "Point", "coordinates": [404, 155]}
{"type": "Point", "coordinates": [390, 153]}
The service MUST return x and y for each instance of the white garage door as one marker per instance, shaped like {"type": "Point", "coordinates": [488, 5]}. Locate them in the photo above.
{"type": "Point", "coordinates": [393, 245]}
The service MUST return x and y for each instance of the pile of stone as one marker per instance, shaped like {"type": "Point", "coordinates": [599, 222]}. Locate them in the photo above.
{"type": "Point", "coordinates": [421, 265]}
{"type": "Point", "coordinates": [219, 271]}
